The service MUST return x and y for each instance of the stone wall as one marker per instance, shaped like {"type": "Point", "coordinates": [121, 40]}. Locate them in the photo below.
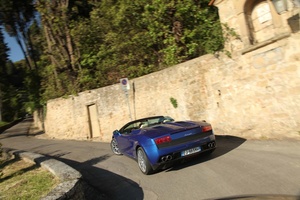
{"type": "Point", "coordinates": [255, 95]}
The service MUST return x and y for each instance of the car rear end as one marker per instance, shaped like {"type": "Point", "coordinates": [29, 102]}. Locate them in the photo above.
{"type": "Point", "coordinates": [179, 140]}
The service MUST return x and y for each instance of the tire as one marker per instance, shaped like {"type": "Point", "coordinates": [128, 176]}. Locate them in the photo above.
{"type": "Point", "coordinates": [143, 162]}
{"type": "Point", "coordinates": [114, 147]}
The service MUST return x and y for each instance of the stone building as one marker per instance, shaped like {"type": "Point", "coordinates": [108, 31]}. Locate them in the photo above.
{"type": "Point", "coordinates": [258, 22]}
{"type": "Point", "coordinates": [255, 93]}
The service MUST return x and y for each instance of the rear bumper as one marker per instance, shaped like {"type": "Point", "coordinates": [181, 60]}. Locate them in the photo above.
{"type": "Point", "coordinates": [170, 158]}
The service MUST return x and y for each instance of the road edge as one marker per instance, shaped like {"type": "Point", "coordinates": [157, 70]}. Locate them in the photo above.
{"type": "Point", "coordinates": [72, 185]}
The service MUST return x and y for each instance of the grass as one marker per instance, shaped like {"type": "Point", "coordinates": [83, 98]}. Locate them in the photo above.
{"type": "Point", "coordinates": [3, 123]}
{"type": "Point", "coordinates": [23, 180]}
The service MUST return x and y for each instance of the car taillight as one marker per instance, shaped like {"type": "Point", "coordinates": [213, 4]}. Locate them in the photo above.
{"type": "Point", "coordinates": [206, 128]}
{"type": "Point", "coordinates": [163, 140]}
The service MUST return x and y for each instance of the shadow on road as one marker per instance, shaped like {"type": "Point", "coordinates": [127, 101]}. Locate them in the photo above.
{"type": "Point", "coordinates": [101, 182]}
{"type": "Point", "coordinates": [225, 144]}
{"type": "Point", "coordinates": [114, 186]}
{"type": "Point", "coordinates": [17, 133]}
{"type": "Point", "coordinates": [109, 184]}
{"type": "Point", "coordinates": [12, 130]}
{"type": "Point", "coordinates": [7, 126]}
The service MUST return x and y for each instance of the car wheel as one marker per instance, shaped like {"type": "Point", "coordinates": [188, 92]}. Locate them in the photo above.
{"type": "Point", "coordinates": [143, 162]}
{"type": "Point", "coordinates": [114, 147]}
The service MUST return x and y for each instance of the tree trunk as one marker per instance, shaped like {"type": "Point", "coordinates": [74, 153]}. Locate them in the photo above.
{"type": "Point", "coordinates": [0, 105]}
{"type": "Point", "coordinates": [53, 61]}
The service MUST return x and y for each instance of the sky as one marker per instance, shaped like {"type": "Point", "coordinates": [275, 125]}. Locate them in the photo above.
{"type": "Point", "coordinates": [15, 53]}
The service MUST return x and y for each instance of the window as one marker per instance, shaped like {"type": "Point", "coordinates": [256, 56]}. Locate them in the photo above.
{"type": "Point", "coordinates": [261, 20]}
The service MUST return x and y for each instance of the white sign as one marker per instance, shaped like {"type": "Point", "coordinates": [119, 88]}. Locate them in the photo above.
{"type": "Point", "coordinates": [125, 84]}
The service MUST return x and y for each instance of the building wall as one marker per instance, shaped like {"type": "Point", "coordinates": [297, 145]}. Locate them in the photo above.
{"type": "Point", "coordinates": [254, 94]}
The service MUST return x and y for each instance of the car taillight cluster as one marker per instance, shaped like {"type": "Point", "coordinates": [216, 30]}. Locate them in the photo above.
{"type": "Point", "coordinates": [163, 140]}
{"type": "Point", "coordinates": [206, 128]}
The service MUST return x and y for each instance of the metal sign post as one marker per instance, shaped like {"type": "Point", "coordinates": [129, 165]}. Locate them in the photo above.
{"type": "Point", "coordinates": [125, 86]}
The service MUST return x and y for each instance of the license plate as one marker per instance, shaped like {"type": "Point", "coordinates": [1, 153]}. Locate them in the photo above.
{"type": "Point", "coordinates": [190, 151]}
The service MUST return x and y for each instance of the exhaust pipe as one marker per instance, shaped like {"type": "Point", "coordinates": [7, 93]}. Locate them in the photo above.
{"type": "Point", "coordinates": [166, 158]}
{"type": "Point", "coordinates": [211, 144]}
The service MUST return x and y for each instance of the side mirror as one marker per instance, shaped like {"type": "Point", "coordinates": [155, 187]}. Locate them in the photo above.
{"type": "Point", "coordinates": [116, 133]}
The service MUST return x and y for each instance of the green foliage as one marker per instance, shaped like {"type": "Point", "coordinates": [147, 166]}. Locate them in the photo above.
{"type": "Point", "coordinates": [133, 38]}
{"type": "Point", "coordinates": [17, 84]}
{"type": "Point", "coordinates": [81, 45]}
{"type": "Point", "coordinates": [2, 124]}
{"type": "Point", "coordinates": [12, 92]}
{"type": "Point", "coordinates": [16, 16]}
{"type": "Point", "coordinates": [174, 102]}
{"type": "Point", "coordinates": [184, 29]}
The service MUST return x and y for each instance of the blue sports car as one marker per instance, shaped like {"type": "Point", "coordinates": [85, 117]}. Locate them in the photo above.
{"type": "Point", "coordinates": [157, 141]}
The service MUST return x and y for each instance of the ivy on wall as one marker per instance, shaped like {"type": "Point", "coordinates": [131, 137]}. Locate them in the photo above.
{"type": "Point", "coordinates": [174, 102]}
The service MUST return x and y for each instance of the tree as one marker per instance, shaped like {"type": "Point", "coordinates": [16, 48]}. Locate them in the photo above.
{"type": "Point", "coordinates": [134, 38]}
{"type": "Point", "coordinates": [16, 86]}
{"type": "Point", "coordinates": [16, 16]}
{"type": "Point", "coordinates": [182, 29]}
{"type": "Point", "coordinates": [57, 19]}
{"type": "Point", "coordinates": [3, 59]}
{"type": "Point", "coordinates": [85, 44]}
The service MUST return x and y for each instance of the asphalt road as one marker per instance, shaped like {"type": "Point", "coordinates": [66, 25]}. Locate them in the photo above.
{"type": "Point", "coordinates": [238, 167]}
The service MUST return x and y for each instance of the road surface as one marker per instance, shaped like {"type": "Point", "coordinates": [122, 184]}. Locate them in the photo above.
{"type": "Point", "coordinates": [238, 167]}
